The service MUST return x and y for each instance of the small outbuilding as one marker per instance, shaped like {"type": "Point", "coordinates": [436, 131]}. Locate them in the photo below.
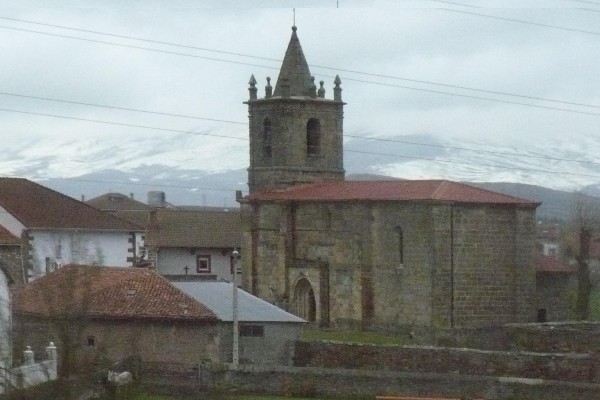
{"type": "Point", "coordinates": [266, 332]}
{"type": "Point", "coordinates": [99, 315]}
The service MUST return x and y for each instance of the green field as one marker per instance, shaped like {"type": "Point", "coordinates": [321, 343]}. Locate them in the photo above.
{"type": "Point", "coordinates": [353, 336]}
{"type": "Point", "coordinates": [244, 397]}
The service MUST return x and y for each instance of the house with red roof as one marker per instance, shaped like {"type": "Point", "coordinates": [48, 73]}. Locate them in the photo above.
{"type": "Point", "coordinates": [100, 315]}
{"type": "Point", "coordinates": [377, 254]}
{"type": "Point", "coordinates": [54, 229]}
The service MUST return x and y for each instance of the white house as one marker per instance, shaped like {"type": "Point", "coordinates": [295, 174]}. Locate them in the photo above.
{"type": "Point", "coordinates": [56, 229]}
{"type": "Point", "coordinates": [181, 242]}
{"type": "Point", "coordinates": [193, 244]}
{"type": "Point", "coordinates": [5, 348]}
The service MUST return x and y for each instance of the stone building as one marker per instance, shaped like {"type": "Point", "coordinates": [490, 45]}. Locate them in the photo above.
{"type": "Point", "coordinates": [100, 315]}
{"type": "Point", "coordinates": [371, 254]}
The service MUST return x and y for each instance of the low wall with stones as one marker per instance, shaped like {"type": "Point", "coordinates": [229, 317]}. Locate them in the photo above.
{"type": "Point", "coordinates": [575, 367]}
{"type": "Point", "coordinates": [364, 384]}
{"type": "Point", "coordinates": [555, 337]}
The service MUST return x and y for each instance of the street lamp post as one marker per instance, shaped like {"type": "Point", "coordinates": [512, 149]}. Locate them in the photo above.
{"type": "Point", "coordinates": [236, 350]}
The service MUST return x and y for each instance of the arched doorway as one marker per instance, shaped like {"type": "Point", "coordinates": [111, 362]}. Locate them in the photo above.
{"type": "Point", "coordinates": [304, 300]}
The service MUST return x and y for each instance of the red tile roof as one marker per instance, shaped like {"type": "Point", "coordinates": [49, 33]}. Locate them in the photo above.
{"type": "Point", "coordinates": [552, 264]}
{"type": "Point", "coordinates": [7, 238]}
{"type": "Point", "coordinates": [36, 206]}
{"type": "Point", "coordinates": [108, 293]}
{"type": "Point", "coordinates": [418, 190]}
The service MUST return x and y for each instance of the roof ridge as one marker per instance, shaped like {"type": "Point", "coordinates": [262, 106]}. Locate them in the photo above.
{"type": "Point", "coordinates": [495, 192]}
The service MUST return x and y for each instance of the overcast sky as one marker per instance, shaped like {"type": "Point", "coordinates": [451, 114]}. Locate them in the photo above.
{"type": "Point", "coordinates": [408, 68]}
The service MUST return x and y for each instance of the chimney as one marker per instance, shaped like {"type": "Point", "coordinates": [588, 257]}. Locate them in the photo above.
{"type": "Point", "coordinates": [157, 199]}
{"type": "Point", "coordinates": [82, 198]}
{"type": "Point", "coordinates": [131, 195]}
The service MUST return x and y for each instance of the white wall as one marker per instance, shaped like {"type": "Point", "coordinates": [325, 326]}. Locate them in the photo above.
{"type": "Point", "coordinates": [172, 261]}
{"type": "Point", "coordinates": [5, 350]}
{"type": "Point", "coordinates": [10, 223]}
{"type": "Point", "coordinates": [79, 247]}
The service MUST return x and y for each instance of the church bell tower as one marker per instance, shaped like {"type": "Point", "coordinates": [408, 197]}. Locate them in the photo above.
{"type": "Point", "coordinates": [296, 134]}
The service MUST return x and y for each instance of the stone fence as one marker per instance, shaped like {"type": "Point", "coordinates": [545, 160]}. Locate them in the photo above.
{"type": "Point", "coordinates": [555, 337]}
{"type": "Point", "coordinates": [214, 379]}
{"type": "Point", "coordinates": [574, 367]}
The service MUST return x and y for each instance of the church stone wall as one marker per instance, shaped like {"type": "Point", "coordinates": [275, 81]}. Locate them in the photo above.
{"type": "Point", "coordinates": [462, 265]}
{"type": "Point", "coordinates": [491, 265]}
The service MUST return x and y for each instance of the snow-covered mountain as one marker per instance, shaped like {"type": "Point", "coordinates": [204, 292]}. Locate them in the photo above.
{"type": "Point", "coordinates": [194, 170]}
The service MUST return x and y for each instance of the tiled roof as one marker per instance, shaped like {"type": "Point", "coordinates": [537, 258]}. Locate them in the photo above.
{"type": "Point", "coordinates": [418, 190]}
{"type": "Point", "coordinates": [137, 217]}
{"type": "Point", "coordinates": [116, 202]}
{"type": "Point", "coordinates": [107, 292]}
{"type": "Point", "coordinates": [7, 238]}
{"type": "Point", "coordinates": [546, 263]}
{"type": "Point", "coordinates": [36, 206]}
{"type": "Point", "coordinates": [214, 229]}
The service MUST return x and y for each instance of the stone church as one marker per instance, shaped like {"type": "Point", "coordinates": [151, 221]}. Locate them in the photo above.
{"type": "Point", "coordinates": [389, 254]}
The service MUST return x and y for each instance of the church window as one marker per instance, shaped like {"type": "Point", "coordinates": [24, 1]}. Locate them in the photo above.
{"type": "Point", "coordinates": [313, 137]}
{"type": "Point", "coordinates": [267, 138]}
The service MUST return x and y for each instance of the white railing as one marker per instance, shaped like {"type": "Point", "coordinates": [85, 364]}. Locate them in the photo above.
{"type": "Point", "coordinates": [32, 373]}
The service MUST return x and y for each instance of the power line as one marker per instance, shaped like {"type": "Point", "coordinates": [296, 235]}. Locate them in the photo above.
{"type": "Point", "coordinates": [141, 39]}
{"type": "Point", "coordinates": [467, 96]}
{"type": "Point", "coordinates": [120, 108]}
{"type": "Point", "coordinates": [476, 165]}
{"type": "Point", "coordinates": [587, 2]}
{"type": "Point", "coordinates": [502, 153]}
{"type": "Point", "coordinates": [457, 87]}
{"type": "Point", "coordinates": [351, 151]}
{"type": "Point", "coordinates": [456, 4]}
{"type": "Point", "coordinates": [129, 183]}
{"type": "Point", "coordinates": [136, 47]}
{"type": "Point", "coordinates": [520, 21]}
{"type": "Point", "coordinates": [243, 123]}
{"type": "Point", "coordinates": [273, 59]}
{"type": "Point", "coordinates": [121, 124]}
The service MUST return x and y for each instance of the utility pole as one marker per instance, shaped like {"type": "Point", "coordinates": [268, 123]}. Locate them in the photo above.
{"type": "Point", "coordinates": [235, 346]}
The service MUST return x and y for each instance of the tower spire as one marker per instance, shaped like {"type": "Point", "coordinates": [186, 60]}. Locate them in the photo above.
{"type": "Point", "coordinates": [294, 70]}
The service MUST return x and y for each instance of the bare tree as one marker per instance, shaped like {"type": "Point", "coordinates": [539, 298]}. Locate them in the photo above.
{"type": "Point", "coordinates": [586, 221]}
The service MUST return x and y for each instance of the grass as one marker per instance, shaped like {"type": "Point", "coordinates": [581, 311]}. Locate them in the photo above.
{"type": "Point", "coordinates": [237, 397]}
{"type": "Point", "coordinates": [595, 305]}
{"type": "Point", "coordinates": [314, 334]}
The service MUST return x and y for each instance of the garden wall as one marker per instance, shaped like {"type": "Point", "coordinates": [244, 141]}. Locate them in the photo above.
{"type": "Point", "coordinates": [350, 384]}
{"type": "Point", "coordinates": [558, 366]}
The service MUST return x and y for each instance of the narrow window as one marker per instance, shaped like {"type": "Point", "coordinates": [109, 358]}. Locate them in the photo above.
{"type": "Point", "coordinates": [542, 315]}
{"type": "Point", "coordinates": [313, 137]}
{"type": "Point", "coordinates": [203, 264]}
{"type": "Point", "coordinates": [267, 138]}
{"type": "Point", "coordinates": [252, 330]}
{"type": "Point", "coordinates": [400, 244]}
{"type": "Point", "coordinates": [91, 341]}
